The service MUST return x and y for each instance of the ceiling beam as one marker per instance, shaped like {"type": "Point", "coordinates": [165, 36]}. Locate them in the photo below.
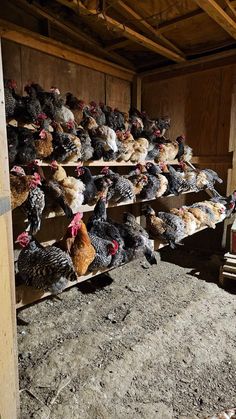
{"type": "Point", "coordinates": [144, 25]}
{"type": "Point", "coordinates": [127, 32]}
{"type": "Point", "coordinates": [58, 49]}
{"type": "Point", "coordinates": [73, 31]}
{"type": "Point", "coordinates": [212, 8]}
{"type": "Point", "coordinates": [118, 45]}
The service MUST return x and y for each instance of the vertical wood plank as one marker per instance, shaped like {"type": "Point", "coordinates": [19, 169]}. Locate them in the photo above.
{"type": "Point", "coordinates": [118, 93]}
{"type": "Point", "coordinates": [137, 93]}
{"type": "Point", "coordinates": [8, 361]}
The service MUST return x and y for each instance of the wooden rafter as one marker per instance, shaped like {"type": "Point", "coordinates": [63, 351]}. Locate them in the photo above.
{"type": "Point", "coordinates": [118, 45]}
{"type": "Point", "coordinates": [46, 45]}
{"type": "Point", "coordinates": [73, 32]}
{"type": "Point", "coordinates": [145, 26]}
{"type": "Point", "coordinates": [127, 32]}
{"type": "Point", "coordinates": [212, 8]}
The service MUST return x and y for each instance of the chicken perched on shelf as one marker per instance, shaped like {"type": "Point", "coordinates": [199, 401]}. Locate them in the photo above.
{"type": "Point", "coordinates": [64, 148]}
{"type": "Point", "coordinates": [46, 268]}
{"type": "Point", "coordinates": [218, 209]}
{"type": "Point", "coordinates": [176, 182]}
{"type": "Point", "coordinates": [125, 145]}
{"type": "Point", "coordinates": [10, 100]}
{"type": "Point", "coordinates": [139, 180]}
{"type": "Point", "coordinates": [96, 112]}
{"type": "Point", "coordinates": [140, 152]}
{"type": "Point", "coordinates": [165, 226]}
{"type": "Point", "coordinates": [78, 244]}
{"type": "Point", "coordinates": [136, 126]}
{"type": "Point", "coordinates": [136, 239]}
{"type": "Point", "coordinates": [73, 188]}
{"type": "Point", "coordinates": [12, 142]}
{"type": "Point", "coordinates": [33, 208]}
{"type": "Point", "coordinates": [206, 179]}
{"type": "Point", "coordinates": [228, 202]}
{"type": "Point", "coordinates": [191, 223]}
{"type": "Point", "coordinates": [121, 188]}
{"type": "Point", "coordinates": [76, 106]}
{"type": "Point", "coordinates": [26, 151]}
{"type": "Point", "coordinates": [20, 185]}
{"type": "Point", "coordinates": [203, 214]}
{"type": "Point", "coordinates": [155, 170]}
{"type": "Point", "coordinates": [86, 144]}
{"type": "Point", "coordinates": [104, 142]}
{"type": "Point", "coordinates": [90, 191]}
{"type": "Point", "coordinates": [43, 144]}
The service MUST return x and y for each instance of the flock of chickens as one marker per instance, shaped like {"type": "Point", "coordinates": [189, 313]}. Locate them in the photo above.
{"type": "Point", "coordinates": [64, 129]}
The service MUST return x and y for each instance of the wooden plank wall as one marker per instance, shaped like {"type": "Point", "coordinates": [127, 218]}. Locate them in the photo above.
{"type": "Point", "coordinates": [26, 65]}
{"type": "Point", "coordinates": [199, 106]}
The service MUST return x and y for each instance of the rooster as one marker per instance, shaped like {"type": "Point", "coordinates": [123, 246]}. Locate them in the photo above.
{"type": "Point", "coordinates": [78, 244]}
{"type": "Point", "coordinates": [46, 268]}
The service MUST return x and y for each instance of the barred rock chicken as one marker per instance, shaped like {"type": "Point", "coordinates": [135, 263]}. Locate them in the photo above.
{"type": "Point", "coordinates": [121, 188]}
{"type": "Point", "coordinates": [165, 226]}
{"type": "Point", "coordinates": [73, 188]}
{"type": "Point", "coordinates": [191, 223]}
{"type": "Point", "coordinates": [138, 180]}
{"type": "Point", "coordinates": [48, 100]}
{"type": "Point", "coordinates": [155, 170]}
{"type": "Point", "coordinates": [176, 182]}
{"type": "Point", "coordinates": [101, 227]}
{"type": "Point", "coordinates": [20, 185]}
{"type": "Point", "coordinates": [136, 239]}
{"type": "Point", "coordinates": [150, 190]}
{"type": "Point", "coordinates": [86, 144]}
{"type": "Point", "coordinates": [105, 252]}
{"type": "Point", "coordinates": [78, 244]}
{"type": "Point", "coordinates": [33, 208]}
{"type": "Point", "coordinates": [64, 149]}
{"type": "Point", "coordinates": [90, 191]}
{"type": "Point", "coordinates": [10, 101]}
{"type": "Point", "coordinates": [30, 107]}
{"type": "Point", "coordinates": [46, 268]}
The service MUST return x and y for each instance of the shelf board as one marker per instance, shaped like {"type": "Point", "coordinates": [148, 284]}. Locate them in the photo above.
{"type": "Point", "coordinates": [26, 295]}
{"type": "Point", "coordinates": [89, 208]}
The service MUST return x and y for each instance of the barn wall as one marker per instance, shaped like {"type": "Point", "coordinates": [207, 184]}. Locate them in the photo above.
{"type": "Point", "coordinates": [26, 65]}
{"type": "Point", "coordinates": [199, 105]}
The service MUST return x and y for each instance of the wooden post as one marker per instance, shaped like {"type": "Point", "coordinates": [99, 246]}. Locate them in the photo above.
{"type": "Point", "coordinates": [9, 394]}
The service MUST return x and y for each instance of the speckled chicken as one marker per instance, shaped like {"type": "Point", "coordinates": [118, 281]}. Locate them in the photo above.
{"type": "Point", "coordinates": [206, 179]}
{"type": "Point", "coordinates": [86, 144]}
{"type": "Point", "coordinates": [165, 226]}
{"type": "Point", "coordinates": [20, 185]}
{"type": "Point", "coordinates": [104, 142]}
{"type": "Point", "coordinates": [33, 208]}
{"type": "Point", "coordinates": [10, 101]}
{"type": "Point", "coordinates": [121, 188]}
{"type": "Point", "coordinates": [46, 268]}
{"type": "Point", "coordinates": [154, 170]}
{"type": "Point", "coordinates": [136, 239]}
{"type": "Point", "coordinates": [64, 149]}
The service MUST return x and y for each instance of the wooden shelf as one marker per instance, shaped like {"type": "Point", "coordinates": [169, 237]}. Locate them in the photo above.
{"type": "Point", "coordinates": [89, 208]}
{"type": "Point", "coordinates": [26, 295]}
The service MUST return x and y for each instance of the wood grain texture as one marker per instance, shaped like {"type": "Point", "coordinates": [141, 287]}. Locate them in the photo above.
{"type": "Point", "coordinates": [118, 93]}
{"type": "Point", "coordinates": [8, 365]}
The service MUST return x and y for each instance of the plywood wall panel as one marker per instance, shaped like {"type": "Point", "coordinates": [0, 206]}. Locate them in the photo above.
{"type": "Point", "coordinates": [118, 93]}
{"type": "Point", "coordinates": [11, 54]}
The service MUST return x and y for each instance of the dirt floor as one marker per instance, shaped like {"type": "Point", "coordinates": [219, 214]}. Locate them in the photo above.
{"type": "Point", "coordinates": [145, 342]}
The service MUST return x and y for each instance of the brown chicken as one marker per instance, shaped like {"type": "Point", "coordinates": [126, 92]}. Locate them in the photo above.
{"type": "Point", "coordinates": [191, 223]}
{"type": "Point", "coordinates": [218, 209]}
{"type": "Point", "coordinates": [127, 142]}
{"type": "Point", "coordinates": [20, 185]}
{"type": "Point", "coordinates": [167, 151]}
{"type": "Point", "coordinates": [78, 244]}
{"type": "Point", "coordinates": [43, 145]}
{"type": "Point", "coordinates": [139, 182]}
{"type": "Point", "coordinates": [201, 216]}
{"type": "Point", "coordinates": [140, 150]}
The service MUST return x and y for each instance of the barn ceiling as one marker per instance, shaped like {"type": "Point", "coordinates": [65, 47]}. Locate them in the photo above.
{"type": "Point", "coordinates": [140, 34]}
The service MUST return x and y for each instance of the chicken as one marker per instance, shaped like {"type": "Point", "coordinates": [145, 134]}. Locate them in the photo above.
{"type": "Point", "coordinates": [218, 209]}
{"type": "Point", "coordinates": [46, 268]}
{"type": "Point", "coordinates": [76, 106]}
{"type": "Point", "coordinates": [136, 239]}
{"type": "Point", "coordinates": [104, 143]}
{"type": "Point", "coordinates": [136, 126]}
{"type": "Point", "coordinates": [140, 150]}
{"type": "Point", "coordinates": [86, 145]}
{"type": "Point", "coordinates": [155, 170]}
{"type": "Point", "coordinates": [10, 101]}
{"type": "Point", "coordinates": [126, 144]}
{"type": "Point", "coordinates": [33, 208]}
{"type": "Point", "coordinates": [90, 192]}
{"type": "Point", "coordinates": [43, 145]}
{"type": "Point", "coordinates": [121, 188]}
{"type": "Point", "coordinates": [228, 202]}
{"type": "Point", "coordinates": [176, 182]}
{"type": "Point", "coordinates": [105, 251]}
{"type": "Point", "coordinates": [96, 112]}
{"type": "Point", "coordinates": [203, 214]}
{"type": "Point", "coordinates": [78, 244]}
{"type": "Point", "coordinates": [191, 223]}
{"type": "Point", "coordinates": [168, 151]}
{"type": "Point", "coordinates": [32, 107]}
{"type": "Point", "coordinates": [89, 123]}
{"type": "Point", "coordinates": [13, 143]}
{"type": "Point", "coordinates": [62, 114]}
{"type": "Point", "coordinates": [48, 100]}
{"type": "Point", "coordinates": [54, 192]}
{"type": "Point", "coordinates": [26, 151]}
{"type": "Point", "coordinates": [139, 181]}
{"type": "Point", "coordinates": [150, 190]}
{"type": "Point", "coordinates": [206, 179]}
{"type": "Point", "coordinates": [64, 148]}
{"type": "Point", "coordinates": [73, 188]}
{"type": "Point", "coordinates": [20, 185]}
{"type": "Point", "coordinates": [165, 226]}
